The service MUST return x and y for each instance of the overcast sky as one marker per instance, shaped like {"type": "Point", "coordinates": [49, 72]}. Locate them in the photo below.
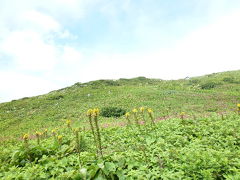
{"type": "Point", "coordinates": [50, 44]}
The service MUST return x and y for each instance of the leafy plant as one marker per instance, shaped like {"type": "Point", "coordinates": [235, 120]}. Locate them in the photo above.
{"type": "Point", "coordinates": [112, 112]}
{"type": "Point", "coordinates": [208, 85]}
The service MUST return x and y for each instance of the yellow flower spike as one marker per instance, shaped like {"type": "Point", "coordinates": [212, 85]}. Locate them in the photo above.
{"type": "Point", "coordinates": [68, 122]}
{"type": "Point", "coordinates": [26, 136]}
{"type": "Point", "coordinates": [89, 112]}
{"type": "Point", "coordinates": [76, 130]}
{"type": "Point", "coordinates": [127, 115]}
{"type": "Point", "coordinates": [238, 105]}
{"type": "Point", "coordinates": [141, 109]}
{"type": "Point", "coordinates": [134, 110]}
{"type": "Point", "coordinates": [95, 112]}
{"type": "Point", "coordinates": [182, 113]}
{"type": "Point", "coordinates": [59, 137]}
{"type": "Point", "coordinates": [149, 110]}
{"type": "Point", "coordinates": [38, 133]}
{"type": "Point", "coordinates": [45, 132]}
{"type": "Point", "coordinates": [54, 131]}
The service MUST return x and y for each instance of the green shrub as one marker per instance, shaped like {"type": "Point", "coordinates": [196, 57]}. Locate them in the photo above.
{"type": "Point", "coordinates": [208, 85]}
{"type": "Point", "coordinates": [56, 97]}
{"type": "Point", "coordinates": [112, 112]}
{"type": "Point", "coordinates": [231, 80]}
{"type": "Point", "coordinates": [194, 81]}
{"type": "Point", "coordinates": [228, 79]}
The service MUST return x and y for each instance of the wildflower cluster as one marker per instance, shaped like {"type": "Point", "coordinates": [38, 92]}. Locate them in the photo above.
{"type": "Point", "coordinates": [59, 138]}
{"type": "Point", "coordinates": [93, 115]}
{"type": "Point", "coordinates": [150, 113]}
{"type": "Point", "coordinates": [127, 115]}
{"type": "Point", "coordinates": [54, 132]}
{"type": "Point", "coordinates": [141, 111]}
{"type": "Point", "coordinates": [45, 133]}
{"type": "Point", "coordinates": [25, 139]}
{"type": "Point", "coordinates": [38, 135]}
{"type": "Point", "coordinates": [182, 114]}
{"type": "Point", "coordinates": [68, 122]}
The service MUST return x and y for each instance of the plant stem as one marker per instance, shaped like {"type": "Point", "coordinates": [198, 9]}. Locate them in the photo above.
{"type": "Point", "coordinates": [98, 135]}
{"type": "Point", "coordinates": [92, 128]}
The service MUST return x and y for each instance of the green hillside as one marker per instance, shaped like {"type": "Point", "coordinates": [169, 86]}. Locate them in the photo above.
{"type": "Point", "coordinates": [217, 92]}
{"type": "Point", "coordinates": [202, 143]}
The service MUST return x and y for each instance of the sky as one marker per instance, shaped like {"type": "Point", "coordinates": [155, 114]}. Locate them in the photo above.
{"type": "Point", "coordinates": [50, 44]}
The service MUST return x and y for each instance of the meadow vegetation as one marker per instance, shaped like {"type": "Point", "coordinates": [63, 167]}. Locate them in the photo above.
{"type": "Point", "coordinates": [176, 129]}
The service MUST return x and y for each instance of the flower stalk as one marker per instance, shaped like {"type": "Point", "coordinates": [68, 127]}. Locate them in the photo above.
{"type": "Point", "coordinates": [182, 115]}
{"type": "Point", "coordinates": [95, 117]}
{"type": "Point", "coordinates": [238, 106]}
{"type": "Point", "coordinates": [150, 114]}
{"type": "Point", "coordinates": [93, 114]}
{"type": "Point", "coordinates": [68, 123]}
{"type": "Point", "coordinates": [25, 140]}
{"type": "Point", "coordinates": [45, 133]}
{"type": "Point", "coordinates": [142, 110]}
{"type": "Point", "coordinates": [135, 111]}
{"type": "Point", "coordinates": [38, 135]}
{"type": "Point", "coordinates": [59, 138]}
{"type": "Point", "coordinates": [127, 116]}
{"type": "Point", "coordinates": [90, 115]}
{"type": "Point", "coordinates": [78, 145]}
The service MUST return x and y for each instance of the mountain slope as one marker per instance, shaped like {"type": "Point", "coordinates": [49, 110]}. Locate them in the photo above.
{"type": "Point", "coordinates": [218, 92]}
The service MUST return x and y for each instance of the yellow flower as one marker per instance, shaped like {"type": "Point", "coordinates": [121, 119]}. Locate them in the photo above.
{"type": "Point", "coordinates": [54, 131]}
{"type": "Point", "coordinates": [26, 136]}
{"type": "Point", "coordinates": [238, 105]}
{"type": "Point", "coordinates": [38, 133]}
{"type": "Point", "coordinates": [142, 109]}
{"type": "Point", "coordinates": [150, 111]}
{"type": "Point", "coordinates": [68, 122]}
{"type": "Point", "coordinates": [127, 115]}
{"type": "Point", "coordinates": [46, 130]}
{"type": "Point", "coordinates": [60, 137]}
{"type": "Point", "coordinates": [76, 130]}
{"type": "Point", "coordinates": [95, 112]}
{"type": "Point", "coordinates": [182, 113]}
{"type": "Point", "coordinates": [89, 112]}
{"type": "Point", "coordinates": [134, 110]}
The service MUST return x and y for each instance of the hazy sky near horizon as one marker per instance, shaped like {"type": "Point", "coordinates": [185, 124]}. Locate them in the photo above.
{"type": "Point", "coordinates": [50, 44]}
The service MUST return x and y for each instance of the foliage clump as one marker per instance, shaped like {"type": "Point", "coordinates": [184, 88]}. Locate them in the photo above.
{"type": "Point", "coordinates": [112, 112]}
{"type": "Point", "coordinates": [209, 85]}
{"type": "Point", "coordinates": [229, 79]}
{"type": "Point", "coordinates": [194, 81]}
{"type": "Point", "coordinates": [57, 97]}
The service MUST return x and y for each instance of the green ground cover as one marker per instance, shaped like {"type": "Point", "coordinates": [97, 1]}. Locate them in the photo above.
{"type": "Point", "coordinates": [204, 144]}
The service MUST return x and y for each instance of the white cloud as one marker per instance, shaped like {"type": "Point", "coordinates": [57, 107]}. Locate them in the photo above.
{"type": "Point", "coordinates": [212, 48]}
{"type": "Point", "coordinates": [29, 51]}
{"type": "Point", "coordinates": [16, 85]}
{"type": "Point", "coordinates": [39, 21]}
{"type": "Point", "coordinates": [71, 56]}
{"type": "Point", "coordinates": [30, 39]}
{"type": "Point", "coordinates": [27, 38]}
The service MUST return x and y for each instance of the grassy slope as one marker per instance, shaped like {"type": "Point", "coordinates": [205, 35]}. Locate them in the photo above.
{"type": "Point", "coordinates": [173, 149]}
{"type": "Point", "coordinates": [190, 148]}
{"type": "Point", "coordinates": [164, 97]}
